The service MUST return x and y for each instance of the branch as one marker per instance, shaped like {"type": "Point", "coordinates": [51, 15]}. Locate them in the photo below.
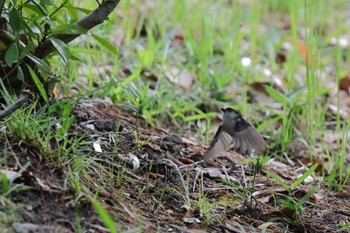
{"type": "Point", "coordinates": [22, 99]}
{"type": "Point", "coordinates": [91, 20]}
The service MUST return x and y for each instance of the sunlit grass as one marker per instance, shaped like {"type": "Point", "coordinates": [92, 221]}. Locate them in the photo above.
{"type": "Point", "coordinates": [214, 36]}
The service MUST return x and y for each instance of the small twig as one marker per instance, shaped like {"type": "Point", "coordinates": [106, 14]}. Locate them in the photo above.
{"type": "Point", "coordinates": [22, 99]}
{"type": "Point", "coordinates": [89, 21]}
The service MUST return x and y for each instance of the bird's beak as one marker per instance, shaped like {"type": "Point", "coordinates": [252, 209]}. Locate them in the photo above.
{"type": "Point", "coordinates": [223, 110]}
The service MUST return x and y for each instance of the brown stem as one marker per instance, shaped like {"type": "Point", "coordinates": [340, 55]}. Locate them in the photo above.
{"type": "Point", "coordinates": [22, 99]}
{"type": "Point", "coordinates": [91, 20]}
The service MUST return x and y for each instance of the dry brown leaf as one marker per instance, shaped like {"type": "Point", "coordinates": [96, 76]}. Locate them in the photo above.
{"type": "Point", "coordinates": [280, 169]}
{"type": "Point", "coordinates": [185, 160]}
{"type": "Point", "coordinates": [178, 39]}
{"type": "Point", "coordinates": [191, 215]}
{"type": "Point", "coordinates": [154, 146]}
{"type": "Point", "coordinates": [291, 44]}
{"type": "Point", "coordinates": [264, 226]}
{"type": "Point", "coordinates": [281, 57]}
{"type": "Point", "coordinates": [276, 165]}
{"type": "Point", "coordinates": [42, 184]}
{"type": "Point", "coordinates": [343, 113]}
{"type": "Point", "coordinates": [344, 84]}
{"type": "Point", "coordinates": [156, 175]}
{"type": "Point", "coordinates": [303, 50]}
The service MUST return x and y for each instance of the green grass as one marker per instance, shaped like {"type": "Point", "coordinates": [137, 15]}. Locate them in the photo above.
{"type": "Point", "coordinates": [213, 36]}
{"type": "Point", "coordinates": [212, 51]}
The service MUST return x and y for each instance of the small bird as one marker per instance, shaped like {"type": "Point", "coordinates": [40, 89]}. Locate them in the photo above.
{"type": "Point", "coordinates": [237, 133]}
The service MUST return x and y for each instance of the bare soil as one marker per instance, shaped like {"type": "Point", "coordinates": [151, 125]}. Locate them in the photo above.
{"type": "Point", "coordinates": [170, 190]}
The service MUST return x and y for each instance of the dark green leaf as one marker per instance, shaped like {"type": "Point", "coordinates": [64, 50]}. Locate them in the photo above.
{"type": "Point", "coordinates": [36, 9]}
{"type": "Point", "coordinates": [65, 127]}
{"type": "Point", "coordinates": [62, 49]}
{"type": "Point", "coordinates": [30, 30]}
{"type": "Point", "coordinates": [304, 176]}
{"type": "Point", "coordinates": [11, 54]}
{"type": "Point", "coordinates": [297, 93]}
{"type": "Point", "coordinates": [67, 109]}
{"type": "Point", "coordinates": [288, 204]}
{"type": "Point", "coordinates": [278, 96]}
{"type": "Point", "coordinates": [277, 179]}
{"type": "Point", "coordinates": [133, 76]}
{"type": "Point", "coordinates": [39, 85]}
{"type": "Point", "coordinates": [6, 39]}
{"type": "Point", "coordinates": [41, 64]}
{"type": "Point", "coordinates": [267, 123]}
{"type": "Point", "coordinates": [25, 51]}
{"type": "Point", "coordinates": [47, 2]}
{"type": "Point", "coordinates": [306, 197]}
{"type": "Point", "coordinates": [74, 12]}
{"type": "Point", "coordinates": [15, 20]}
{"type": "Point", "coordinates": [70, 29]}
{"type": "Point", "coordinates": [86, 11]}
{"type": "Point", "coordinates": [75, 58]}
{"type": "Point", "coordinates": [105, 43]}
{"type": "Point", "coordinates": [20, 75]}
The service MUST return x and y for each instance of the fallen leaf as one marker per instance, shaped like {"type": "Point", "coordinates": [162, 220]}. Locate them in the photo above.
{"type": "Point", "coordinates": [178, 39]}
{"type": "Point", "coordinates": [156, 175]}
{"type": "Point", "coordinates": [290, 44]}
{"type": "Point", "coordinates": [97, 146]}
{"type": "Point", "coordinates": [276, 165]}
{"type": "Point", "coordinates": [42, 184]}
{"type": "Point", "coordinates": [264, 226]}
{"type": "Point", "coordinates": [185, 160]}
{"type": "Point", "coordinates": [344, 115]}
{"type": "Point", "coordinates": [191, 214]}
{"type": "Point", "coordinates": [191, 220]}
{"type": "Point", "coordinates": [344, 84]}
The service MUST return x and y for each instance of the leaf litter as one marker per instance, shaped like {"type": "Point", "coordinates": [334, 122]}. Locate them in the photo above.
{"type": "Point", "coordinates": [163, 186]}
{"type": "Point", "coordinates": [153, 179]}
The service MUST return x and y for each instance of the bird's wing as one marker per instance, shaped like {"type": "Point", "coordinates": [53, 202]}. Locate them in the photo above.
{"type": "Point", "coordinates": [221, 143]}
{"type": "Point", "coordinates": [250, 140]}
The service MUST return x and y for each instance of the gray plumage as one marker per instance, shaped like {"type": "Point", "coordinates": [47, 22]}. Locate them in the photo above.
{"type": "Point", "coordinates": [237, 133]}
